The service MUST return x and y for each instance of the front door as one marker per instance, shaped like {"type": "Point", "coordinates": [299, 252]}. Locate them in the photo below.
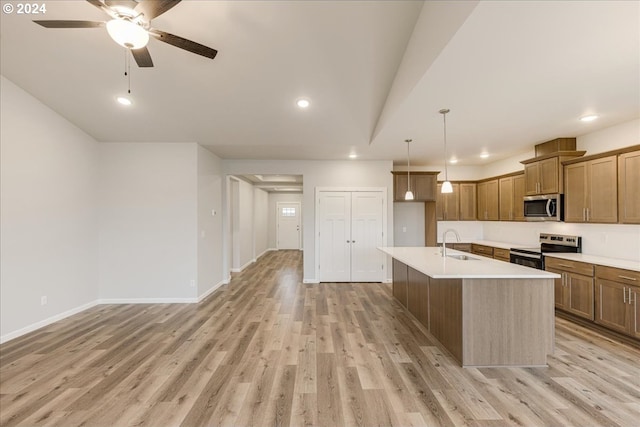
{"type": "Point", "coordinates": [288, 225]}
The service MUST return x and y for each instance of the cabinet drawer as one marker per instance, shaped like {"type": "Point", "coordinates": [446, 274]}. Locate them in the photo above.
{"type": "Point", "coordinates": [482, 250]}
{"type": "Point", "coordinates": [567, 265]}
{"type": "Point", "coordinates": [501, 254]}
{"type": "Point", "coordinates": [618, 275]}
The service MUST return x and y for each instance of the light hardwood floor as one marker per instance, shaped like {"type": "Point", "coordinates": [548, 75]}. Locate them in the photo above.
{"type": "Point", "coordinates": [269, 350]}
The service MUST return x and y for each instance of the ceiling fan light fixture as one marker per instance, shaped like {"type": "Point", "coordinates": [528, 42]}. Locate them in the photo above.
{"type": "Point", "coordinates": [303, 103]}
{"type": "Point", "coordinates": [127, 34]}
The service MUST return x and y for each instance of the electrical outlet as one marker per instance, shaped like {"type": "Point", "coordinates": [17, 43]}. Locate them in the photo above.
{"type": "Point", "coordinates": [43, 300]}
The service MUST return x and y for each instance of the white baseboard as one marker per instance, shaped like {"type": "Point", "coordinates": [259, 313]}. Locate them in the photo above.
{"type": "Point", "coordinates": [313, 281]}
{"type": "Point", "coordinates": [47, 321]}
{"type": "Point", "coordinates": [212, 290]}
{"type": "Point", "coordinates": [148, 301]}
{"type": "Point", "coordinates": [388, 281]}
{"type": "Point", "coordinates": [238, 270]}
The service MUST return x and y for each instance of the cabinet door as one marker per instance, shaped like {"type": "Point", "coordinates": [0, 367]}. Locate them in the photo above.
{"type": "Point", "coordinates": [452, 204]}
{"type": "Point", "coordinates": [629, 188]}
{"type": "Point", "coordinates": [531, 178]}
{"type": "Point", "coordinates": [575, 192]}
{"type": "Point", "coordinates": [506, 199]}
{"type": "Point", "coordinates": [611, 306]}
{"type": "Point", "coordinates": [602, 203]}
{"type": "Point", "coordinates": [634, 293]}
{"type": "Point", "coordinates": [548, 170]}
{"type": "Point", "coordinates": [467, 202]}
{"type": "Point", "coordinates": [559, 288]}
{"type": "Point", "coordinates": [580, 295]}
{"type": "Point", "coordinates": [424, 187]}
{"type": "Point", "coordinates": [518, 198]}
{"type": "Point", "coordinates": [492, 200]}
{"type": "Point", "coordinates": [440, 201]}
{"type": "Point", "coordinates": [482, 201]}
{"type": "Point", "coordinates": [400, 185]}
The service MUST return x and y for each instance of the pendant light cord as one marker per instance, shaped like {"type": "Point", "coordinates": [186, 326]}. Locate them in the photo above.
{"type": "Point", "coordinates": [408, 167]}
{"type": "Point", "coordinates": [444, 118]}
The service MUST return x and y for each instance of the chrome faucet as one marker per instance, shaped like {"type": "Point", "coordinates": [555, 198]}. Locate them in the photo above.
{"type": "Point", "coordinates": [444, 240]}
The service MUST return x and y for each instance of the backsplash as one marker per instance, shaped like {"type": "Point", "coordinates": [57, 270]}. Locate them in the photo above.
{"type": "Point", "coordinates": [606, 240]}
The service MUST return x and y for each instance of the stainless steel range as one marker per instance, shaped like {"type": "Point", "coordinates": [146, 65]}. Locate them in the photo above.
{"type": "Point", "coordinates": [533, 257]}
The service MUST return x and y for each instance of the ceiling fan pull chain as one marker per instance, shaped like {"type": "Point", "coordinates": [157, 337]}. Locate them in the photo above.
{"type": "Point", "coordinates": [126, 56]}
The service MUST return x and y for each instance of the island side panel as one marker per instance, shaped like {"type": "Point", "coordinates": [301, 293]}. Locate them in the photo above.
{"type": "Point", "coordinates": [445, 314]}
{"type": "Point", "coordinates": [400, 281]}
{"type": "Point", "coordinates": [418, 296]}
{"type": "Point", "coordinates": [507, 322]}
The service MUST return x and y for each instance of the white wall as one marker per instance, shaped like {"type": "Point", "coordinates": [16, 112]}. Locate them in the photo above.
{"type": "Point", "coordinates": [245, 236]}
{"type": "Point", "coordinates": [260, 222]}
{"type": "Point", "coordinates": [408, 224]}
{"type": "Point", "coordinates": [48, 217]}
{"type": "Point", "coordinates": [611, 138]}
{"type": "Point", "coordinates": [348, 173]}
{"type": "Point", "coordinates": [210, 180]}
{"type": "Point", "coordinates": [274, 198]}
{"type": "Point", "coordinates": [148, 222]}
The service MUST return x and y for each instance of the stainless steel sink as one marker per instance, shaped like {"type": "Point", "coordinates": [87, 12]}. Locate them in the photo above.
{"type": "Point", "coordinates": [463, 257]}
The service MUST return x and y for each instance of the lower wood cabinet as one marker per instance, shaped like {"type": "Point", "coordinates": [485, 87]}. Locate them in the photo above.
{"type": "Point", "coordinates": [502, 254]}
{"type": "Point", "coordinates": [445, 296]}
{"type": "Point", "coordinates": [617, 305]}
{"type": "Point", "coordinates": [482, 250]}
{"type": "Point", "coordinates": [574, 291]}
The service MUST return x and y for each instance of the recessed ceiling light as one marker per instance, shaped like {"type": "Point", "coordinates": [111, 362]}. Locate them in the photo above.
{"type": "Point", "coordinates": [123, 100]}
{"type": "Point", "coordinates": [453, 161]}
{"type": "Point", "coordinates": [353, 155]}
{"type": "Point", "coordinates": [589, 118]}
{"type": "Point", "coordinates": [303, 103]}
{"type": "Point", "coordinates": [484, 155]}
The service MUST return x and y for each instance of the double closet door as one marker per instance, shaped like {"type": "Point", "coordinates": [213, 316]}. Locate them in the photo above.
{"type": "Point", "coordinates": [350, 231]}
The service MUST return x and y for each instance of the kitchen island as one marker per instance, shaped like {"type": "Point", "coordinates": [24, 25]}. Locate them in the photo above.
{"type": "Point", "coordinates": [483, 311]}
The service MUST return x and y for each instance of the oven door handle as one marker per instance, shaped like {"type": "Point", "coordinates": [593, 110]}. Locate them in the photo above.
{"type": "Point", "coordinates": [522, 254]}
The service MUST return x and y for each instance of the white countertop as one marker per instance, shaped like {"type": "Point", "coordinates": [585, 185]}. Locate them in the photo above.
{"type": "Point", "coordinates": [593, 259]}
{"type": "Point", "coordinates": [428, 260]}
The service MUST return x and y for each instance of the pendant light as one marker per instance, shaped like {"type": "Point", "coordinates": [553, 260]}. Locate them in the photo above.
{"type": "Point", "coordinates": [409, 194]}
{"type": "Point", "coordinates": [446, 185]}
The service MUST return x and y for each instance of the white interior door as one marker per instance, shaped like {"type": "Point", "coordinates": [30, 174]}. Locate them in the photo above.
{"type": "Point", "coordinates": [350, 231]}
{"type": "Point", "coordinates": [334, 210]}
{"type": "Point", "coordinates": [288, 225]}
{"type": "Point", "coordinates": [366, 236]}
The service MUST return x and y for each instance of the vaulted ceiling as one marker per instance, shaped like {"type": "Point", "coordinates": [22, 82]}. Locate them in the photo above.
{"type": "Point", "coordinates": [513, 74]}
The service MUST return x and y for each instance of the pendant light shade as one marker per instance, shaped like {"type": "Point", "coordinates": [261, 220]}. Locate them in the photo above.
{"type": "Point", "coordinates": [409, 194]}
{"type": "Point", "coordinates": [446, 185]}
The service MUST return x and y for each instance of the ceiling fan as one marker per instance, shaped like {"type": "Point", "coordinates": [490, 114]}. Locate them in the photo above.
{"type": "Point", "coordinates": [130, 27]}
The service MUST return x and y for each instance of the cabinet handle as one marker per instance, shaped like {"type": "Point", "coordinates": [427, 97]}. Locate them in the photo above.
{"type": "Point", "coordinates": [584, 214]}
{"type": "Point", "coordinates": [624, 294]}
{"type": "Point", "coordinates": [627, 277]}
{"type": "Point", "coordinates": [565, 265]}
{"type": "Point", "coordinates": [635, 295]}
{"type": "Point", "coordinates": [587, 214]}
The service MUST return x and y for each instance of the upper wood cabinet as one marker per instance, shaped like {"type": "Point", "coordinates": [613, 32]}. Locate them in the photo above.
{"type": "Point", "coordinates": [459, 205]}
{"type": "Point", "coordinates": [468, 201]}
{"type": "Point", "coordinates": [629, 187]}
{"type": "Point", "coordinates": [544, 175]}
{"type": "Point", "coordinates": [423, 186]}
{"type": "Point", "coordinates": [488, 198]}
{"type": "Point", "coordinates": [448, 205]}
{"type": "Point", "coordinates": [591, 191]}
{"type": "Point", "coordinates": [511, 198]}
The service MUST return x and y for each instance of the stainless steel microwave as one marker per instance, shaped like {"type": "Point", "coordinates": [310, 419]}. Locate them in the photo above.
{"type": "Point", "coordinates": [546, 207]}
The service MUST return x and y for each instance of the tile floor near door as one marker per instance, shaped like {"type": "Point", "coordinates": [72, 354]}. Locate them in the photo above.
{"type": "Point", "coordinates": [269, 350]}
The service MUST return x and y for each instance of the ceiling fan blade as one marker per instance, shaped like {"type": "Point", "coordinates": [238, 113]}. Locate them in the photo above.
{"type": "Point", "coordinates": [142, 57]}
{"type": "Point", "coordinates": [183, 43]}
{"type": "Point", "coordinates": [154, 8]}
{"type": "Point", "coordinates": [96, 3]}
{"type": "Point", "coordinates": [70, 24]}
